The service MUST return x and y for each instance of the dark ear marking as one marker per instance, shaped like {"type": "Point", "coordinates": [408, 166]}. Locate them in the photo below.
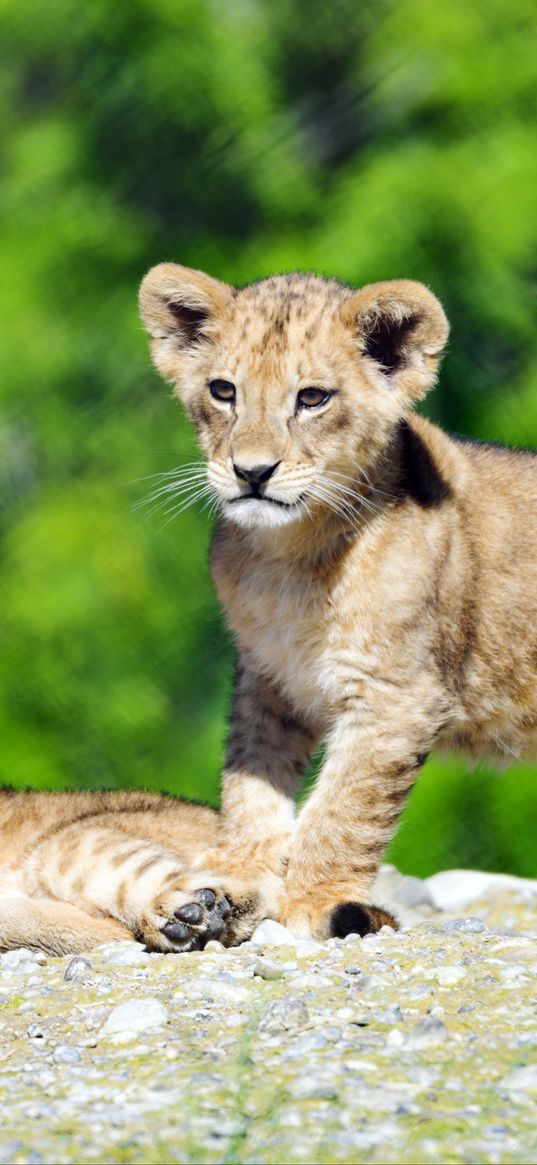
{"type": "Point", "coordinates": [400, 328]}
{"type": "Point", "coordinates": [190, 319]}
{"type": "Point", "coordinates": [385, 340]}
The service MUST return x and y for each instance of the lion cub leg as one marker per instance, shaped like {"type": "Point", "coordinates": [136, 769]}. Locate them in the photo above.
{"type": "Point", "coordinates": [107, 872]}
{"type": "Point", "coordinates": [269, 748]}
{"type": "Point", "coordinates": [53, 927]}
{"type": "Point", "coordinates": [343, 830]}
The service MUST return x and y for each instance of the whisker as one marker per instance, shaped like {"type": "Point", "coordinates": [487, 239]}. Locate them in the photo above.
{"type": "Point", "coordinates": [192, 496]}
{"type": "Point", "coordinates": [174, 511]}
{"type": "Point", "coordinates": [170, 488]}
{"type": "Point", "coordinates": [173, 487]}
{"type": "Point", "coordinates": [360, 478]}
{"type": "Point", "coordinates": [170, 472]}
{"type": "Point", "coordinates": [364, 501]}
{"type": "Point", "coordinates": [337, 507]}
{"type": "Point", "coordinates": [338, 504]}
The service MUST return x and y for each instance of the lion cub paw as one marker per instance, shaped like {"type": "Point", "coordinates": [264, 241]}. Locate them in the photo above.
{"type": "Point", "coordinates": [338, 921]}
{"type": "Point", "coordinates": [358, 918]}
{"type": "Point", "coordinates": [180, 921]}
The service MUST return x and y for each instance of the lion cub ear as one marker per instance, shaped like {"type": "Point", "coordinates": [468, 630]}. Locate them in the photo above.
{"type": "Point", "coordinates": [402, 329]}
{"type": "Point", "coordinates": [178, 305]}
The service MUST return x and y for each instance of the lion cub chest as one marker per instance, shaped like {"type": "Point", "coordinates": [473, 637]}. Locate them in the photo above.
{"type": "Point", "coordinates": [286, 626]}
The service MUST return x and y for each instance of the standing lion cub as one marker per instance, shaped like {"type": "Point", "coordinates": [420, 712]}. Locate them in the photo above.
{"type": "Point", "coordinates": [378, 575]}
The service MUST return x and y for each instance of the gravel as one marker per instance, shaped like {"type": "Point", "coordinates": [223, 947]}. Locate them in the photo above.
{"type": "Point", "coordinates": [414, 1046]}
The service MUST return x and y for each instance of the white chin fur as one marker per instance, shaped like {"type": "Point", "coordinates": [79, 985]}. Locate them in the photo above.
{"type": "Point", "coordinates": [261, 513]}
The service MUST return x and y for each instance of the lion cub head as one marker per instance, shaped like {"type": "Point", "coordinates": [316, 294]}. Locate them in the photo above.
{"type": "Point", "coordinates": [295, 384]}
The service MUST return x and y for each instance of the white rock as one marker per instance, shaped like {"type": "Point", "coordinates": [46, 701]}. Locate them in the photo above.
{"type": "Point", "coordinates": [515, 971]}
{"type": "Point", "coordinates": [428, 1032]}
{"type": "Point", "coordinates": [413, 892]}
{"type": "Point", "coordinates": [370, 942]}
{"type": "Point", "coordinates": [20, 956]}
{"type": "Point", "coordinates": [452, 889]}
{"type": "Point", "coordinates": [448, 975]}
{"type": "Point", "coordinates": [222, 989]}
{"type": "Point", "coordinates": [286, 1014]}
{"type": "Point", "coordinates": [265, 969]}
{"type": "Point", "coordinates": [272, 933]}
{"type": "Point", "coordinates": [521, 1080]}
{"type": "Point", "coordinates": [65, 1054]}
{"type": "Point", "coordinates": [126, 954]}
{"type": "Point", "coordinates": [310, 1088]}
{"type": "Point", "coordinates": [129, 1019]}
{"type": "Point", "coordinates": [77, 968]}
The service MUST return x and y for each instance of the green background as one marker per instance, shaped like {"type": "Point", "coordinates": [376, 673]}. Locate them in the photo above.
{"type": "Point", "coordinates": [365, 141]}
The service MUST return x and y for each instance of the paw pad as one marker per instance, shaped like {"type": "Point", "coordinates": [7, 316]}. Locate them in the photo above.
{"type": "Point", "coordinates": [191, 913]}
{"type": "Point", "coordinates": [193, 924]}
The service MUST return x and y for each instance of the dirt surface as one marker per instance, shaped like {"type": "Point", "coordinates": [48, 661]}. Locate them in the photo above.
{"type": "Point", "coordinates": [419, 1046]}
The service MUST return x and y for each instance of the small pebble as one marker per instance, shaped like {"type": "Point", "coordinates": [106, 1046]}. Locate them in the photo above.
{"type": "Point", "coordinates": [267, 970]}
{"type": "Point", "coordinates": [65, 1054]}
{"type": "Point", "coordinates": [133, 1017]}
{"type": "Point", "coordinates": [464, 926]}
{"type": "Point", "coordinates": [447, 976]}
{"type": "Point", "coordinates": [77, 968]}
{"type": "Point", "coordinates": [221, 989]}
{"type": "Point", "coordinates": [35, 1031]}
{"type": "Point", "coordinates": [427, 1033]}
{"type": "Point", "coordinates": [270, 933]}
{"type": "Point", "coordinates": [285, 1014]}
{"type": "Point", "coordinates": [127, 955]}
{"type": "Point", "coordinates": [306, 1088]}
{"type": "Point", "coordinates": [521, 1080]}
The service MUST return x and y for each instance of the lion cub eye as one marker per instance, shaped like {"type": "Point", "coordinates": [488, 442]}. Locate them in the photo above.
{"type": "Point", "coordinates": [222, 390]}
{"type": "Point", "coordinates": [311, 398]}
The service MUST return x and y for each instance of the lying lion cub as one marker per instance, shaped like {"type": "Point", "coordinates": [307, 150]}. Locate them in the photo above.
{"type": "Point", "coordinates": [79, 869]}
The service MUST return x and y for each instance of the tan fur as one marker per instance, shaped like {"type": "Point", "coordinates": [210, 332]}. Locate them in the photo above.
{"type": "Point", "coordinates": [386, 606]}
{"type": "Point", "coordinates": [79, 869]}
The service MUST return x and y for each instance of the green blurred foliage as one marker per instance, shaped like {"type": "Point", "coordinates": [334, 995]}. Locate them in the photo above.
{"type": "Point", "coordinates": [365, 141]}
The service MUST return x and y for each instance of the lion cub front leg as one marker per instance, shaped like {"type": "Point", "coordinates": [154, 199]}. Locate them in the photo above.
{"type": "Point", "coordinates": [268, 750]}
{"type": "Point", "coordinates": [373, 758]}
{"type": "Point", "coordinates": [107, 872]}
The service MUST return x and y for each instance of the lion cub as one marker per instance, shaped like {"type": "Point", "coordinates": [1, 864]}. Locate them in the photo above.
{"type": "Point", "coordinates": [79, 869]}
{"type": "Point", "coordinates": [378, 575]}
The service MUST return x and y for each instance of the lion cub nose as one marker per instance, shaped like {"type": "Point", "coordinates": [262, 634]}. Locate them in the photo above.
{"type": "Point", "coordinates": [257, 474]}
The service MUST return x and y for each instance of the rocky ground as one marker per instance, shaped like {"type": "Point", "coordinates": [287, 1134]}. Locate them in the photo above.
{"type": "Point", "coordinates": [419, 1046]}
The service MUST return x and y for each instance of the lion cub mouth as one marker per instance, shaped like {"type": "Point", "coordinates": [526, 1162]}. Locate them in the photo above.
{"type": "Point", "coordinates": [263, 498]}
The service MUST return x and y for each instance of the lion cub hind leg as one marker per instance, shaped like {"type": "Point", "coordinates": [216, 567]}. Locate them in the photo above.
{"type": "Point", "coordinates": [106, 871]}
{"type": "Point", "coordinates": [57, 928]}
{"type": "Point", "coordinates": [252, 891]}
{"type": "Point", "coordinates": [180, 920]}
